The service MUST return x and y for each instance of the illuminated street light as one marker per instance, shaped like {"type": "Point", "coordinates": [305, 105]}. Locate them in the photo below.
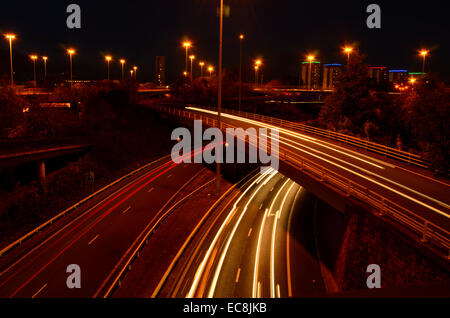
{"type": "Point", "coordinates": [45, 58]}
{"type": "Point", "coordinates": [131, 72]}
{"type": "Point", "coordinates": [10, 38]}
{"type": "Point", "coordinates": [310, 58]}
{"type": "Point", "coordinates": [219, 93]}
{"type": "Point", "coordinates": [135, 68]}
{"type": "Point", "coordinates": [108, 60]}
{"type": "Point", "coordinates": [424, 54]}
{"type": "Point", "coordinates": [187, 45]}
{"type": "Point", "coordinates": [210, 70]}
{"type": "Point", "coordinates": [192, 58]}
{"type": "Point", "coordinates": [122, 61]}
{"type": "Point", "coordinates": [201, 68]}
{"type": "Point", "coordinates": [34, 58]}
{"type": "Point", "coordinates": [258, 64]}
{"type": "Point", "coordinates": [71, 52]}
{"type": "Point", "coordinates": [241, 39]}
{"type": "Point", "coordinates": [348, 51]}
{"type": "Point", "coordinates": [412, 80]}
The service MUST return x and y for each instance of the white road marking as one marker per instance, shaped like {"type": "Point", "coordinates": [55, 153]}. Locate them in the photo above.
{"type": "Point", "coordinates": [93, 239]}
{"type": "Point", "coordinates": [37, 293]}
{"type": "Point", "coordinates": [127, 209]}
{"type": "Point", "coordinates": [250, 232]}
{"type": "Point", "coordinates": [151, 189]}
{"type": "Point", "coordinates": [237, 275]}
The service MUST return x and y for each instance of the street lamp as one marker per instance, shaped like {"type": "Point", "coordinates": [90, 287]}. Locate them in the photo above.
{"type": "Point", "coordinates": [241, 39]}
{"type": "Point", "coordinates": [135, 72]}
{"type": "Point", "coordinates": [210, 69]}
{"type": "Point", "coordinates": [34, 58]}
{"type": "Point", "coordinates": [192, 58]}
{"type": "Point", "coordinates": [131, 72]}
{"type": "Point", "coordinates": [187, 45]}
{"type": "Point", "coordinates": [11, 37]}
{"type": "Point", "coordinates": [348, 51]}
{"type": "Point", "coordinates": [122, 61]}
{"type": "Point", "coordinates": [71, 52]}
{"type": "Point", "coordinates": [219, 90]}
{"type": "Point", "coordinates": [108, 60]}
{"type": "Point", "coordinates": [45, 58]}
{"type": "Point", "coordinates": [310, 58]}
{"type": "Point", "coordinates": [424, 54]}
{"type": "Point", "coordinates": [257, 66]}
{"type": "Point", "coordinates": [201, 68]}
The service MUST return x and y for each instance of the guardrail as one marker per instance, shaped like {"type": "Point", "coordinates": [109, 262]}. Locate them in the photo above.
{"type": "Point", "coordinates": [427, 231]}
{"type": "Point", "coordinates": [384, 150]}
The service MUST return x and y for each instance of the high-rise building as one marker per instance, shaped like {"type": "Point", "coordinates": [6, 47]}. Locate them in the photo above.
{"type": "Point", "coordinates": [379, 73]}
{"type": "Point", "coordinates": [331, 74]}
{"type": "Point", "coordinates": [398, 76]}
{"type": "Point", "coordinates": [160, 71]}
{"type": "Point", "coordinates": [311, 75]}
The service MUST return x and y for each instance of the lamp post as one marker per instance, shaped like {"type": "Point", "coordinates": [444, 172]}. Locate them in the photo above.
{"type": "Point", "coordinates": [108, 60]}
{"type": "Point", "coordinates": [219, 104]}
{"type": "Point", "coordinates": [131, 73]}
{"type": "Point", "coordinates": [122, 62]}
{"type": "Point", "coordinates": [424, 54]}
{"type": "Point", "coordinates": [348, 51]}
{"type": "Point", "coordinates": [135, 72]}
{"type": "Point", "coordinates": [45, 58]}
{"type": "Point", "coordinates": [201, 68]}
{"type": "Point", "coordinates": [310, 59]}
{"type": "Point", "coordinates": [257, 66]}
{"type": "Point", "coordinates": [71, 52]}
{"type": "Point", "coordinates": [192, 58]}
{"type": "Point", "coordinates": [34, 58]}
{"type": "Point", "coordinates": [210, 70]}
{"type": "Point", "coordinates": [187, 45]}
{"type": "Point", "coordinates": [241, 39]}
{"type": "Point", "coordinates": [11, 37]}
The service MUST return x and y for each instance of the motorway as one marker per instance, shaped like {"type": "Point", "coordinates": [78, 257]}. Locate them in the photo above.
{"type": "Point", "coordinates": [98, 237]}
{"type": "Point", "coordinates": [249, 251]}
{"type": "Point", "coordinates": [414, 191]}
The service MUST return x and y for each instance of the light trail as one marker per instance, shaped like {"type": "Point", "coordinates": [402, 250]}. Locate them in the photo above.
{"type": "Point", "coordinates": [344, 168]}
{"type": "Point", "coordinates": [272, 248]}
{"type": "Point", "coordinates": [230, 238]}
{"type": "Point", "coordinates": [202, 266]}
{"type": "Point", "coordinates": [258, 246]}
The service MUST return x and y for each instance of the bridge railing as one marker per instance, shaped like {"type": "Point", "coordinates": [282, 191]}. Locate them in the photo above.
{"type": "Point", "coordinates": [426, 230]}
{"type": "Point", "coordinates": [365, 144]}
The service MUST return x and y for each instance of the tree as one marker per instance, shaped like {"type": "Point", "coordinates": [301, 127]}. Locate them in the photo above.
{"type": "Point", "coordinates": [11, 110]}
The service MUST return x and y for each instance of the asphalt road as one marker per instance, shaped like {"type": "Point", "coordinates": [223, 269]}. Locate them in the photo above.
{"type": "Point", "coordinates": [415, 191]}
{"type": "Point", "coordinates": [250, 249]}
{"type": "Point", "coordinates": [97, 237]}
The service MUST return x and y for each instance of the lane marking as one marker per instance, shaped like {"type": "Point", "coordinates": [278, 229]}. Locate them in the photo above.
{"type": "Point", "coordinates": [93, 239]}
{"type": "Point", "coordinates": [150, 190]}
{"type": "Point", "coordinates": [126, 210]}
{"type": "Point", "coordinates": [169, 176]}
{"type": "Point", "coordinates": [37, 293]}
{"type": "Point", "coordinates": [249, 232]}
{"type": "Point", "coordinates": [237, 275]}
{"type": "Point", "coordinates": [278, 291]}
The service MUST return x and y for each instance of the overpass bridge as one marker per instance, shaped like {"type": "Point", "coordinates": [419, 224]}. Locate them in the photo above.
{"type": "Point", "coordinates": [334, 167]}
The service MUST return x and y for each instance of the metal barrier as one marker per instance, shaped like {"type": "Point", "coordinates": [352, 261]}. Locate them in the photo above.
{"type": "Point", "coordinates": [384, 150]}
{"type": "Point", "coordinates": [427, 231]}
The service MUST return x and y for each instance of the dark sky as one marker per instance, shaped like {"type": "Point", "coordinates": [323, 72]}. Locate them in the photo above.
{"type": "Point", "coordinates": [281, 32]}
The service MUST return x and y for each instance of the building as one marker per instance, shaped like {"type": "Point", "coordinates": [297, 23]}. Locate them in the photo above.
{"type": "Point", "coordinates": [160, 71]}
{"type": "Point", "coordinates": [311, 75]}
{"type": "Point", "coordinates": [331, 74]}
{"type": "Point", "coordinates": [379, 73]}
{"type": "Point", "coordinates": [398, 76]}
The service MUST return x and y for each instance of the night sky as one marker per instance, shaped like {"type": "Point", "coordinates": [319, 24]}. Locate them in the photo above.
{"type": "Point", "coordinates": [280, 32]}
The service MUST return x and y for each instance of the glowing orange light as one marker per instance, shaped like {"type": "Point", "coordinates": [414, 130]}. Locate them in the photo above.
{"type": "Point", "coordinates": [45, 58]}
{"type": "Point", "coordinates": [122, 61]}
{"type": "Point", "coordinates": [424, 52]}
{"type": "Point", "coordinates": [348, 49]}
{"type": "Point", "coordinates": [201, 64]}
{"type": "Point", "coordinates": [33, 57]}
{"type": "Point", "coordinates": [310, 58]}
{"type": "Point", "coordinates": [10, 36]}
{"type": "Point", "coordinates": [241, 36]}
{"type": "Point", "coordinates": [71, 51]}
{"type": "Point", "coordinates": [192, 57]}
{"type": "Point", "coordinates": [108, 58]}
{"type": "Point", "coordinates": [187, 44]}
{"type": "Point", "coordinates": [135, 68]}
